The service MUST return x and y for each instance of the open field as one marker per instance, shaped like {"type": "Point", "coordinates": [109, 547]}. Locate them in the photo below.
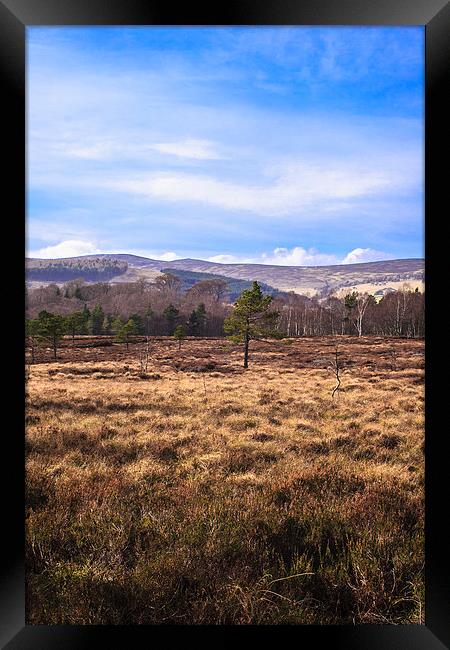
{"type": "Point", "coordinates": [200, 493]}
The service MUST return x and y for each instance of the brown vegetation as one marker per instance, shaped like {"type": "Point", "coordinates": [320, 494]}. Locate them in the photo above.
{"type": "Point", "coordinates": [199, 492]}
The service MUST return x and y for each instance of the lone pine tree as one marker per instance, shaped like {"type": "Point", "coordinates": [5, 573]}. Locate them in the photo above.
{"type": "Point", "coordinates": [51, 327]}
{"type": "Point", "coordinates": [179, 334]}
{"type": "Point", "coordinates": [123, 330]}
{"type": "Point", "coordinates": [251, 318]}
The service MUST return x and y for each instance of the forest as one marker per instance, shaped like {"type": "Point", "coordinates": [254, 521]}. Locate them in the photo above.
{"type": "Point", "coordinates": [158, 308]}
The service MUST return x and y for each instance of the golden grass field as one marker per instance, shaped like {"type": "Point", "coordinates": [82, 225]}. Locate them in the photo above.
{"type": "Point", "coordinates": [200, 493]}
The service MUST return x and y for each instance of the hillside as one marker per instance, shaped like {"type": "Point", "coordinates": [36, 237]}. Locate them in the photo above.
{"type": "Point", "coordinates": [308, 280]}
{"type": "Point", "coordinates": [235, 285]}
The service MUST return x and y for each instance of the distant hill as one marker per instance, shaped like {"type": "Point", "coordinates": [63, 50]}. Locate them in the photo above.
{"type": "Point", "coordinates": [235, 286]}
{"type": "Point", "coordinates": [90, 268]}
{"type": "Point", "coordinates": [307, 280]}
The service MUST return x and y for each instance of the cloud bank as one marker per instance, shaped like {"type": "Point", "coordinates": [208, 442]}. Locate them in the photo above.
{"type": "Point", "coordinates": [280, 256]}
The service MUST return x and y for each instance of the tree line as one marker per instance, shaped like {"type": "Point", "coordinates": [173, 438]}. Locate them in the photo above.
{"type": "Point", "coordinates": [160, 309]}
{"type": "Point", "coordinates": [49, 328]}
{"type": "Point", "coordinates": [398, 313]}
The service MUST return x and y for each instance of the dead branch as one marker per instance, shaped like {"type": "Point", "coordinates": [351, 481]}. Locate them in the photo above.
{"type": "Point", "coordinates": [204, 386]}
{"type": "Point", "coordinates": [336, 368]}
{"type": "Point", "coordinates": [143, 354]}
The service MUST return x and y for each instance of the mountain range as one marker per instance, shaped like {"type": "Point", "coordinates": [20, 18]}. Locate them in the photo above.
{"type": "Point", "coordinates": [374, 277]}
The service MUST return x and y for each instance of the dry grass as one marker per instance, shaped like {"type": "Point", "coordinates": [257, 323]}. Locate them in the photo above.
{"type": "Point", "coordinates": [223, 496]}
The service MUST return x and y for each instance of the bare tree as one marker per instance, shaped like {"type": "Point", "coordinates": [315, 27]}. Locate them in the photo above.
{"type": "Point", "coordinates": [143, 354]}
{"type": "Point", "coordinates": [167, 282]}
{"type": "Point", "coordinates": [336, 369]}
{"type": "Point", "coordinates": [362, 302]}
{"type": "Point", "coordinates": [215, 290]}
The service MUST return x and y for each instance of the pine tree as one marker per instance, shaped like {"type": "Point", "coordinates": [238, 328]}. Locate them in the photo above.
{"type": "Point", "coordinates": [107, 321]}
{"type": "Point", "coordinates": [52, 327]}
{"type": "Point", "coordinates": [171, 315]}
{"type": "Point", "coordinates": [33, 334]}
{"type": "Point", "coordinates": [138, 323]}
{"type": "Point", "coordinates": [349, 304]}
{"type": "Point", "coordinates": [196, 321]}
{"type": "Point", "coordinates": [251, 318]}
{"type": "Point", "coordinates": [128, 329]}
{"type": "Point", "coordinates": [201, 316]}
{"type": "Point", "coordinates": [179, 334]}
{"type": "Point", "coordinates": [148, 317]}
{"type": "Point", "coordinates": [123, 331]}
{"type": "Point", "coordinates": [76, 324]}
{"type": "Point", "coordinates": [97, 318]}
{"type": "Point", "coordinates": [193, 323]}
{"type": "Point", "coordinates": [117, 325]}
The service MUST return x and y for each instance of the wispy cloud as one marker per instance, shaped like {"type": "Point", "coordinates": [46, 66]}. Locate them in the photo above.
{"type": "Point", "coordinates": [190, 148]}
{"type": "Point", "coordinates": [298, 186]}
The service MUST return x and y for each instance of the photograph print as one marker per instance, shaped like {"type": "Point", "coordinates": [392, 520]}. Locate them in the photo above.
{"type": "Point", "coordinates": [224, 352]}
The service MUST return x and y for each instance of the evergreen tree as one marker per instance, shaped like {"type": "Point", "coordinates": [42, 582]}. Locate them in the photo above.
{"type": "Point", "coordinates": [76, 324]}
{"type": "Point", "coordinates": [107, 322]}
{"type": "Point", "coordinates": [138, 323]}
{"type": "Point", "coordinates": [87, 318]}
{"type": "Point", "coordinates": [201, 316]}
{"type": "Point", "coordinates": [179, 334]}
{"type": "Point", "coordinates": [251, 318]}
{"type": "Point", "coordinates": [350, 301]}
{"type": "Point", "coordinates": [193, 323]}
{"type": "Point", "coordinates": [196, 320]}
{"type": "Point", "coordinates": [148, 320]}
{"type": "Point", "coordinates": [117, 325]}
{"type": "Point", "coordinates": [171, 315]}
{"type": "Point", "coordinates": [97, 318]}
{"type": "Point", "coordinates": [122, 330]}
{"type": "Point", "coordinates": [128, 329]}
{"type": "Point", "coordinates": [33, 334]}
{"type": "Point", "coordinates": [52, 327]}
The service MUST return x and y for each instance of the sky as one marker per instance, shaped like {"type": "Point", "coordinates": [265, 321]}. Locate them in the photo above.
{"type": "Point", "coordinates": [275, 145]}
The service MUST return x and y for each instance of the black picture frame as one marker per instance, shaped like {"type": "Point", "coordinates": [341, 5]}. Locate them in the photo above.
{"type": "Point", "coordinates": [15, 16]}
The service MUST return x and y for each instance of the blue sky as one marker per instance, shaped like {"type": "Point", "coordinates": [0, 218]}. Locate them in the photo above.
{"type": "Point", "coordinates": [285, 145]}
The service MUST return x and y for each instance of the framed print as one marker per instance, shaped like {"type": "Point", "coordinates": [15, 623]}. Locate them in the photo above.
{"type": "Point", "coordinates": [231, 424]}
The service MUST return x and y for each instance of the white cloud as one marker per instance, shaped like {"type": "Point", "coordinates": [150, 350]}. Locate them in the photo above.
{"type": "Point", "coordinates": [68, 248]}
{"type": "Point", "coordinates": [76, 247]}
{"type": "Point", "coordinates": [166, 257]}
{"type": "Point", "coordinates": [299, 256]}
{"type": "Point", "coordinates": [226, 259]}
{"type": "Point", "coordinates": [189, 148]}
{"type": "Point", "coordinates": [365, 255]}
{"type": "Point", "coordinates": [296, 256]}
{"type": "Point", "coordinates": [297, 186]}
